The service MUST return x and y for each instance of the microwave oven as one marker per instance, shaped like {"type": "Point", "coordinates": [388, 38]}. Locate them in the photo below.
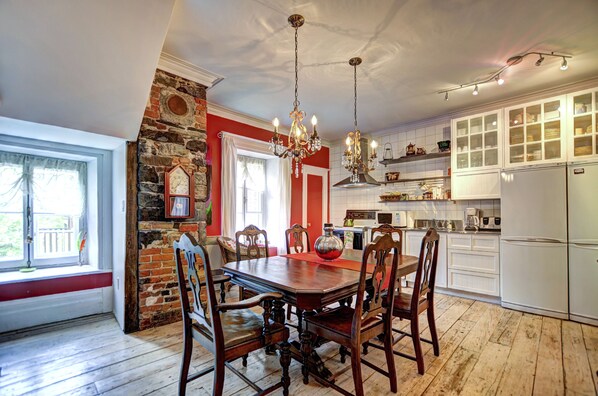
{"type": "Point", "coordinates": [396, 218]}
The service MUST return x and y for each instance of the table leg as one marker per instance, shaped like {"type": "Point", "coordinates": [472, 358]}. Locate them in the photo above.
{"type": "Point", "coordinates": [278, 315]}
{"type": "Point", "coordinates": [312, 363]}
{"type": "Point", "coordinates": [222, 293]}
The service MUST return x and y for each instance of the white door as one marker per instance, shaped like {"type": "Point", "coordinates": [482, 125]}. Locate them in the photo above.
{"type": "Point", "coordinates": [583, 282]}
{"type": "Point", "coordinates": [583, 203]}
{"type": "Point", "coordinates": [534, 204]}
{"type": "Point", "coordinates": [534, 277]}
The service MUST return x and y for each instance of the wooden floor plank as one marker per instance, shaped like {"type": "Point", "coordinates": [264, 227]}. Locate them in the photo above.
{"type": "Point", "coordinates": [521, 363]}
{"type": "Point", "coordinates": [578, 377]}
{"type": "Point", "coordinates": [485, 376]}
{"type": "Point", "coordinates": [590, 336]}
{"type": "Point", "coordinates": [485, 349]}
{"type": "Point", "coordinates": [549, 370]}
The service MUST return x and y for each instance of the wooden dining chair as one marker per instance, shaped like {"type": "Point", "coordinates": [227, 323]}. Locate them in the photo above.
{"type": "Point", "coordinates": [410, 306]}
{"type": "Point", "coordinates": [351, 327]}
{"type": "Point", "coordinates": [249, 245]}
{"type": "Point", "coordinates": [228, 330]}
{"type": "Point", "coordinates": [294, 239]}
{"type": "Point", "coordinates": [389, 229]}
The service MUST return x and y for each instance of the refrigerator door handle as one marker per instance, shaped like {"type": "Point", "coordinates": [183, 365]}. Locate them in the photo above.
{"type": "Point", "coordinates": [532, 242]}
{"type": "Point", "coordinates": [540, 240]}
{"type": "Point", "coordinates": [590, 246]}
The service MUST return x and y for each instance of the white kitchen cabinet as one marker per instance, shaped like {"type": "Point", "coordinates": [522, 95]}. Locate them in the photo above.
{"type": "Point", "coordinates": [483, 184]}
{"type": "Point", "coordinates": [535, 133]}
{"type": "Point", "coordinates": [476, 156]}
{"type": "Point", "coordinates": [477, 142]}
{"type": "Point", "coordinates": [413, 241]}
{"type": "Point", "coordinates": [474, 263]}
{"type": "Point", "coordinates": [582, 125]}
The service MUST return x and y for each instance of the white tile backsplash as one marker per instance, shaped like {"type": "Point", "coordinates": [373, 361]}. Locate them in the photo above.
{"type": "Point", "coordinates": [342, 199]}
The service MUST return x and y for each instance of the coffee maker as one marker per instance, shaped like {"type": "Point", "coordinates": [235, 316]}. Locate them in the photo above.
{"type": "Point", "coordinates": [472, 219]}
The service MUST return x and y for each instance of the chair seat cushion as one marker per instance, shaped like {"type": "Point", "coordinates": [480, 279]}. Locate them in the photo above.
{"type": "Point", "coordinates": [402, 304]}
{"type": "Point", "coordinates": [239, 326]}
{"type": "Point", "coordinates": [338, 320]}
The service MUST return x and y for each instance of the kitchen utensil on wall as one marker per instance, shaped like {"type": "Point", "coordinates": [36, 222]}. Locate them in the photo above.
{"type": "Point", "coordinates": [410, 149]}
{"type": "Point", "coordinates": [392, 176]}
{"type": "Point", "coordinates": [387, 151]}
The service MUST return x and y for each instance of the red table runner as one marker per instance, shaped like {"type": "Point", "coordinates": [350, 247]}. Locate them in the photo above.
{"type": "Point", "coordinates": [339, 262]}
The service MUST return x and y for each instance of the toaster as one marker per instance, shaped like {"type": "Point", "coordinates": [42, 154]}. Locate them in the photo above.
{"type": "Point", "coordinates": [490, 223]}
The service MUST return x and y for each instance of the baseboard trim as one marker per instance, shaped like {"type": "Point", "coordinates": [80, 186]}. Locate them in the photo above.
{"type": "Point", "coordinates": [29, 312]}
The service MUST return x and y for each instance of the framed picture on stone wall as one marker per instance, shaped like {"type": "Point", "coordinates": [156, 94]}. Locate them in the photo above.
{"type": "Point", "coordinates": [179, 193]}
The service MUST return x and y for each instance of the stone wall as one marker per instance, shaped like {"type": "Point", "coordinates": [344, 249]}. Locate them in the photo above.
{"type": "Point", "coordinates": [173, 132]}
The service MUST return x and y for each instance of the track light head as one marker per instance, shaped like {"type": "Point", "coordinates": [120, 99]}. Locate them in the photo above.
{"type": "Point", "coordinates": [476, 91]}
{"type": "Point", "coordinates": [446, 95]}
{"type": "Point", "coordinates": [564, 65]}
{"type": "Point", "coordinates": [540, 60]}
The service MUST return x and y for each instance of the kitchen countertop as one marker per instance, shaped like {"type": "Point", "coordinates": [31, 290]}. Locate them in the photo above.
{"type": "Point", "coordinates": [488, 232]}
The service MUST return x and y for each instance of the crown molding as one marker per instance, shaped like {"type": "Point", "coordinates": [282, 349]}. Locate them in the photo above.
{"type": "Point", "coordinates": [482, 108]}
{"type": "Point", "coordinates": [230, 114]}
{"type": "Point", "coordinates": [187, 70]}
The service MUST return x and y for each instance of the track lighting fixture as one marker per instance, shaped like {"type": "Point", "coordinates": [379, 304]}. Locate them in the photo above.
{"type": "Point", "coordinates": [540, 60]}
{"type": "Point", "coordinates": [512, 61]}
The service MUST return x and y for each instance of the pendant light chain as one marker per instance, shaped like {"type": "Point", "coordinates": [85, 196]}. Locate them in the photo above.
{"type": "Point", "coordinates": [355, 99]}
{"type": "Point", "coordinates": [296, 102]}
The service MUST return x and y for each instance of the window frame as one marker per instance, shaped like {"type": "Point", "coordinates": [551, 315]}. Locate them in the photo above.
{"type": "Point", "coordinates": [98, 196]}
{"type": "Point", "coordinates": [263, 211]}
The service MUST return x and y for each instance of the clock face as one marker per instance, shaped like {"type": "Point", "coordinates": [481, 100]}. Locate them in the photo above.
{"type": "Point", "coordinates": [179, 182]}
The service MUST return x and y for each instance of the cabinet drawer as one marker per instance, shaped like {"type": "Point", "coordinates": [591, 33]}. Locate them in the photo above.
{"type": "Point", "coordinates": [479, 262]}
{"type": "Point", "coordinates": [459, 241]}
{"type": "Point", "coordinates": [485, 243]}
{"type": "Point", "coordinates": [474, 282]}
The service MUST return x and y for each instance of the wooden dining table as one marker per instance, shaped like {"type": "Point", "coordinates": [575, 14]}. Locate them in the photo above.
{"type": "Point", "coordinates": [309, 283]}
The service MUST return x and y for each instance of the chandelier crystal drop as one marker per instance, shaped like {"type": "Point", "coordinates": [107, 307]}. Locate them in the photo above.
{"type": "Point", "coordinates": [352, 159]}
{"type": "Point", "coordinates": [301, 143]}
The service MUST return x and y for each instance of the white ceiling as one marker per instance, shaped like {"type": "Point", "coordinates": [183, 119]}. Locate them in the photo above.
{"type": "Point", "coordinates": [88, 65]}
{"type": "Point", "coordinates": [410, 50]}
{"type": "Point", "coordinates": [84, 65]}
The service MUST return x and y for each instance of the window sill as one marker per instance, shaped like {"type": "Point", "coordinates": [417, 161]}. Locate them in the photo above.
{"type": "Point", "coordinates": [48, 273]}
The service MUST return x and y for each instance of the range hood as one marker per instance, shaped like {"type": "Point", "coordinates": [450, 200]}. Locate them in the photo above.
{"type": "Point", "coordinates": [365, 180]}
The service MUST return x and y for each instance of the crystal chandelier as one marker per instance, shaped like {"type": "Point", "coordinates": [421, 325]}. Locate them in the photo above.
{"type": "Point", "coordinates": [301, 143]}
{"type": "Point", "coordinates": [352, 160]}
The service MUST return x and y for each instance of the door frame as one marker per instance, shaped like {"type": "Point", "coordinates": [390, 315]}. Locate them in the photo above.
{"type": "Point", "coordinates": [316, 171]}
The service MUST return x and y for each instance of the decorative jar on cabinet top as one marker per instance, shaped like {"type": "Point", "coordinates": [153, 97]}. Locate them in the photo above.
{"type": "Point", "coordinates": [328, 246]}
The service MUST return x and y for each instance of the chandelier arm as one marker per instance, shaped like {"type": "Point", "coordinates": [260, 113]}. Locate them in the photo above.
{"type": "Point", "coordinates": [355, 92]}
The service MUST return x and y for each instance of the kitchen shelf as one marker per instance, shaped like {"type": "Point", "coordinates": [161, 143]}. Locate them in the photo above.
{"type": "Point", "coordinates": [415, 157]}
{"type": "Point", "coordinates": [419, 200]}
{"type": "Point", "coordinates": [415, 179]}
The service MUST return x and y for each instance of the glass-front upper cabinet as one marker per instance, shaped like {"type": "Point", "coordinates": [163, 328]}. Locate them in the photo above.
{"type": "Point", "coordinates": [535, 133]}
{"type": "Point", "coordinates": [583, 124]}
{"type": "Point", "coordinates": [475, 142]}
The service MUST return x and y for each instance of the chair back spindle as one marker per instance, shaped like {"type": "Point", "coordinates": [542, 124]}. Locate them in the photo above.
{"type": "Point", "coordinates": [294, 237]}
{"type": "Point", "coordinates": [426, 269]}
{"type": "Point", "coordinates": [380, 251]}
{"type": "Point", "coordinates": [204, 312]}
{"type": "Point", "coordinates": [251, 241]}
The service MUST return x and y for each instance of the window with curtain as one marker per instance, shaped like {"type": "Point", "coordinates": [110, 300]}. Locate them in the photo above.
{"type": "Point", "coordinates": [251, 192]}
{"type": "Point", "coordinates": [42, 211]}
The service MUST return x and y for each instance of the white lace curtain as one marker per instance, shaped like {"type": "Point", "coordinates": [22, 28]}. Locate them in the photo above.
{"type": "Point", "coordinates": [56, 185]}
{"type": "Point", "coordinates": [252, 170]}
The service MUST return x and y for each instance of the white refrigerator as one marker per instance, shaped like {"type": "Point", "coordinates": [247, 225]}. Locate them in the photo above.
{"type": "Point", "coordinates": [534, 273]}
{"type": "Point", "coordinates": [583, 242]}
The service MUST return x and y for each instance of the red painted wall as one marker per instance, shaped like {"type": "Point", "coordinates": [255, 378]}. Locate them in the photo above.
{"type": "Point", "coordinates": [44, 287]}
{"type": "Point", "coordinates": [218, 124]}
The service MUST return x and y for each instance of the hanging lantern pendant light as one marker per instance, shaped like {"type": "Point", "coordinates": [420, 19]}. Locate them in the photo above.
{"type": "Point", "coordinates": [301, 144]}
